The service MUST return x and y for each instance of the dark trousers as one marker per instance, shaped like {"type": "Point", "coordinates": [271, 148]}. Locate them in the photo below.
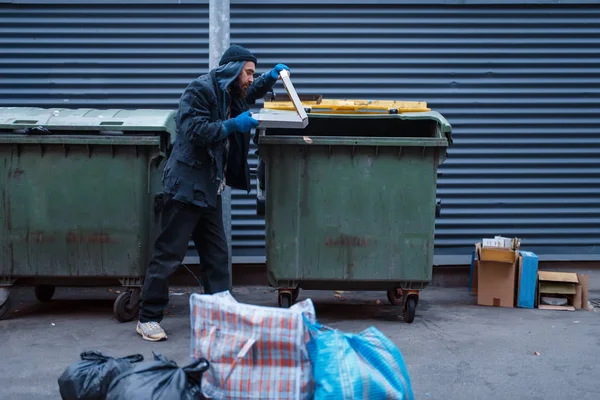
{"type": "Point", "coordinates": [179, 222]}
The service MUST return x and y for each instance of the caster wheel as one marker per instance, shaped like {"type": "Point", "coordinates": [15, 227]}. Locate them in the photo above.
{"type": "Point", "coordinates": [285, 300]}
{"type": "Point", "coordinates": [44, 293]}
{"type": "Point", "coordinates": [395, 296]}
{"type": "Point", "coordinates": [4, 303]}
{"type": "Point", "coordinates": [409, 310]}
{"type": "Point", "coordinates": [295, 294]}
{"type": "Point", "coordinates": [124, 308]}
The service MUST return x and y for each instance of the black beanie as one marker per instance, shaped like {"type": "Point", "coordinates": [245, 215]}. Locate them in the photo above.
{"type": "Point", "coordinates": [237, 53]}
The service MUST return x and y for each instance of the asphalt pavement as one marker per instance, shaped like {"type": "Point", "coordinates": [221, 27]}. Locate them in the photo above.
{"type": "Point", "coordinates": [454, 349]}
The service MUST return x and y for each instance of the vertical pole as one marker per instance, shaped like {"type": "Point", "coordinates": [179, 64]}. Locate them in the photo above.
{"type": "Point", "coordinates": [218, 39]}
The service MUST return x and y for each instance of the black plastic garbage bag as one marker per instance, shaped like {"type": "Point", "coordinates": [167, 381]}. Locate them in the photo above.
{"type": "Point", "coordinates": [90, 378]}
{"type": "Point", "coordinates": [160, 379]}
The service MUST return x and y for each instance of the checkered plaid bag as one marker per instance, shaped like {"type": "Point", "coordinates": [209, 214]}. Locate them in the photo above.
{"type": "Point", "coordinates": [254, 352]}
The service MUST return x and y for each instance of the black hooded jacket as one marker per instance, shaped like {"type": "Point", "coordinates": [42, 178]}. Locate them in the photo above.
{"type": "Point", "coordinates": [194, 170]}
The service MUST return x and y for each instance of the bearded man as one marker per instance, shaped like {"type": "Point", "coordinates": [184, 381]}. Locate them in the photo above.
{"type": "Point", "coordinates": [210, 151]}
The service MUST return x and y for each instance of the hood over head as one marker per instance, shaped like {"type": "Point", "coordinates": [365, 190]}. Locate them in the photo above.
{"type": "Point", "coordinates": [228, 73]}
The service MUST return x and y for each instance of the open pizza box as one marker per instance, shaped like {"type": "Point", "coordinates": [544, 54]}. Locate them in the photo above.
{"type": "Point", "coordinates": [297, 119]}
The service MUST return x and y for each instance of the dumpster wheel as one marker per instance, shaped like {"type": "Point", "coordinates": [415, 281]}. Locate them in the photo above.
{"type": "Point", "coordinates": [395, 296]}
{"type": "Point", "coordinates": [5, 306]}
{"type": "Point", "coordinates": [410, 306]}
{"type": "Point", "coordinates": [285, 299]}
{"type": "Point", "coordinates": [127, 306]}
{"type": "Point", "coordinates": [44, 293]}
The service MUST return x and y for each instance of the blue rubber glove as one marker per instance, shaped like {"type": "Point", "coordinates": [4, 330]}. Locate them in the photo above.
{"type": "Point", "coordinates": [242, 123]}
{"type": "Point", "coordinates": [278, 68]}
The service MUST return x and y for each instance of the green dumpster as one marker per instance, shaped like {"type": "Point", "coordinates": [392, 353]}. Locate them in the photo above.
{"type": "Point", "coordinates": [351, 203]}
{"type": "Point", "coordinates": [80, 198]}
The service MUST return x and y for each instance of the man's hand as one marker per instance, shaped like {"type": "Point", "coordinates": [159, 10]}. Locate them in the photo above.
{"type": "Point", "coordinates": [244, 122]}
{"type": "Point", "coordinates": [277, 69]}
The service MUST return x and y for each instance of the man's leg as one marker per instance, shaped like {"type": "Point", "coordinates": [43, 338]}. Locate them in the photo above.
{"type": "Point", "coordinates": [209, 238]}
{"type": "Point", "coordinates": [178, 223]}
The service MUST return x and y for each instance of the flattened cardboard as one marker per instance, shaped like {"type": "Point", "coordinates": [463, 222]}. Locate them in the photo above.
{"type": "Point", "coordinates": [577, 301]}
{"type": "Point", "coordinates": [584, 283]}
{"type": "Point", "coordinates": [559, 284]}
{"type": "Point", "coordinates": [556, 308]}
{"type": "Point", "coordinates": [569, 277]}
{"type": "Point", "coordinates": [557, 288]}
{"type": "Point", "coordinates": [495, 281]}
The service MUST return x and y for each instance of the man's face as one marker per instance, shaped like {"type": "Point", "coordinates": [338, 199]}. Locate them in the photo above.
{"type": "Point", "coordinates": [246, 77]}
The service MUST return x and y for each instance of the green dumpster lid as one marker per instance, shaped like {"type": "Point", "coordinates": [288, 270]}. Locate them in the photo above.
{"type": "Point", "coordinates": [443, 123]}
{"type": "Point", "coordinates": [88, 119]}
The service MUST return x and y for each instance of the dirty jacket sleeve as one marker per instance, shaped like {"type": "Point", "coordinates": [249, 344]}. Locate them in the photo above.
{"type": "Point", "coordinates": [259, 88]}
{"type": "Point", "coordinates": [197, 107]}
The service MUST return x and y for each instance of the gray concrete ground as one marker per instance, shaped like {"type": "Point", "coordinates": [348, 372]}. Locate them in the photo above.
{"type": "Point", "coordinates": [454, 349]}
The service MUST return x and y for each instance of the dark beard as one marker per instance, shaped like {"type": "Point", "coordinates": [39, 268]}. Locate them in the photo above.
{"type": "Point", "coordinates": [236, 90]}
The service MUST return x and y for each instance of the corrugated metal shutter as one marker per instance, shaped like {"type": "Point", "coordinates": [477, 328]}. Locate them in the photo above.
{"type": "Point", "coordinates": [519, 83]}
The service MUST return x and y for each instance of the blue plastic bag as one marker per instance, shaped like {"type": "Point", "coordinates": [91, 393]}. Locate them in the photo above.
{"type": "Point", "coordinates": [348, 366]}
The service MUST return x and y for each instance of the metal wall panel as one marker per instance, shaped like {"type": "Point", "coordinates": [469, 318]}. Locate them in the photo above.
{"type": "Point", "coordinates": [519, 83]}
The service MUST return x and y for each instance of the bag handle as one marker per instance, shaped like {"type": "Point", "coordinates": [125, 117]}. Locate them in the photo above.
{"type": "Point", "coordinates": [316, 326]}
{"type": "Point", "coordinates": [134, 358]}
{"type": "Point", "coordinates": [94, 356]}
{"type": "Point", "coordinates": [98, 356]}
{"type": "Point", "coordinates": [241, 354]}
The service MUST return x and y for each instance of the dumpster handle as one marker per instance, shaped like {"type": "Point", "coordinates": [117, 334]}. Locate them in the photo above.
{"type": "Point", "coordinates": [156, 160]}
{"type": "Point", "coordinates": [37, 130]}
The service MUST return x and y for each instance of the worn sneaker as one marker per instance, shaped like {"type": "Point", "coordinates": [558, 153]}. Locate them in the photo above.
{"type": "Point", "coordinates": [151, 331]}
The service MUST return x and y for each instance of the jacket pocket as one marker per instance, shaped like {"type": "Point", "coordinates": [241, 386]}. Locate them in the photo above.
{"type": "Point", "coordinates": [194, 163]}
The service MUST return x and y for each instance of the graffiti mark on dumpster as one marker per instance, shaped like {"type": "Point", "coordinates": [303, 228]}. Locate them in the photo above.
{"type": "Point", "coordinates": [11, 254]}
{"type": "Point", "coordinates": [6, 209]}
{"type": "Point", "coordinates": [346, 241]}
{"type": "Point", "coordinates": [15, 173]}
{"type": "Point", "coordinates": [39, 237]}
{"type": "Point", "coordinates": [88, 238]}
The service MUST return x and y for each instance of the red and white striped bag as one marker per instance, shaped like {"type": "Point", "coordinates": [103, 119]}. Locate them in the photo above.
{"type": "Point", "coordinates": [255, 352]}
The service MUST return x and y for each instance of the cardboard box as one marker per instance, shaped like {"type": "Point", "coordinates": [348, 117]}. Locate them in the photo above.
{"type": "Point", "coordinates": [560, 285]}
{"type": "Point", "coordinates": [527, 279]}
{"type": "Point", "coordinates": [496, 274]}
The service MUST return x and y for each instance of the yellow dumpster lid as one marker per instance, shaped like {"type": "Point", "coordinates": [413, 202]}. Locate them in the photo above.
{"type": "Point", "coordinates": [347, 106]}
